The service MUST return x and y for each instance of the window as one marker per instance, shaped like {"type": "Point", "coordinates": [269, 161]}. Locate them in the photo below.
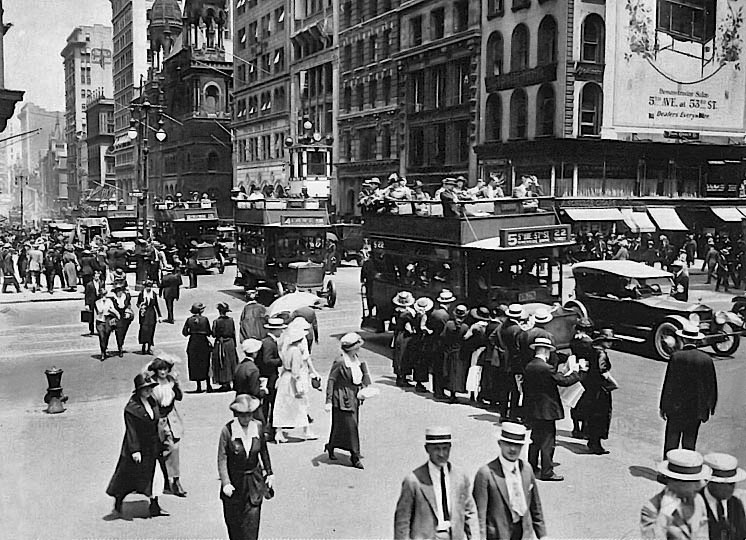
{"type": "Point", "coordinates": [519, 48]}
{"type": "Point", "coordinates": [373, 93]}
{"type": "Point", "coordinates": [367, 148]}
{"type": "Point", "coordinates": [347, 145]}
{"type": "Point", "coordinates": [242, 38]}
{"type": "Point", "coordinates": [493, 119]}
{"type": "Point", "coordinates": [460, 16]}
{"type": "Point", "coordinates": [438, 134]}
{"type": "Point", "coordinates": [437, 23]}
{"type": "Point", "coordinates": [416, 146]}
{"type": "Point", "coordinates": [463, 69]}
{"type": "Point", "coordinates": [495, 51]}
{"type": "Point", "coordinates": [280, 18]}
{"type": "Point", "coordinates": [386, 90]}
{"type": "Point", "coordinates": [547, 43]}
{"type": "Point", "coordinates": [591, 104]}
{"type": "Point", "coordinates": [518, 114]}
{"type": "Point", "coordinates": [279, 60]}
{"type": "Point", "coordinates": [418, 90]}
{"type": "Point", "coordinates": [545, 110]}
{"type": "Point", "coordinates": [386, 45]}
{"type": "Point", "coordinates": [372, 49]}
{"type": "Point", "coordinates": [360, 53]}
{"type": "Point", "coordinates": [280, 99]}
{"type": "Point", "coordinates": [495, 7]}
{"type": "Point", "coordinates": [437, 87]}
{"type": "Point", "coordinates": [593, 40]}
{"type": "Point", "coordinates": [347, 57]}
{"type": "Point", "coordinates": [347, 14]}
{"type": "Point", "coordinates": [347, 99]}
{"type": "Point", "coordinates": [415, 30]}
{"type": "Point", "coordinates": [253, 32]}
{"type": "Point", "coordinates": [360, 96]}
{"type": "Point", "coordinates": [386, 142]}
{"type": "Point", "coordinates": [461, 136]}
{"type": "Point", "coordinates": [265, 32]}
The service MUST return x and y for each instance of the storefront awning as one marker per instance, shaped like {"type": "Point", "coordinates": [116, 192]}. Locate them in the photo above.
{"type": "Point", "coordinates": [638, 222]}
{"type": "Point", "coordinates": [594, 214]}
{"type": "Point", "coordinates": [728, 213]}
{"type": "Point", "coordinates": [742, 209]}
{"type": "Point", "coordinates": [667, 219]}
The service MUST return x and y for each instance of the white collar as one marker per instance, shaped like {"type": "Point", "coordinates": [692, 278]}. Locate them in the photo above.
{"type": "Point", "coordinates": [237, 432]}
{"type": "Point", "coordinates": [509, 466]}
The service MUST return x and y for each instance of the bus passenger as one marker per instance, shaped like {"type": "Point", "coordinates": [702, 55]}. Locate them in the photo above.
{"type": "Point", "coordinates": [494, 189]}
{"type": "Point", "coordinates": [449, 199]}
{"type": "Point", "coordinates": [420, 195]}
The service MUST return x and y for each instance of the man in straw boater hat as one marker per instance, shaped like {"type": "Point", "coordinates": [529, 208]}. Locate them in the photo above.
{"type": "Point", "coordinates": [726, 517]}
{"type": "Point", "coordinates": [690, 391]}
{"type": "Point", "coordinates": [510, 332]}
{"type": "Point", "coordinates": [543, 407]}
{"type": "Point", "coordinates": [506, 493]}
{"type": "Point", "coordinates": [678, 511]}
{"type": "Point", "coordinates": [436, 321]}
{"type": "Point", "coordinates": [268, 361]}
{"type": "Point", "coordinates": [435, 500]}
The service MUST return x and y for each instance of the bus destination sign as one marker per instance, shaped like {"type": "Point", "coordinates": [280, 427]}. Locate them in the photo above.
{"type": "Point", "coordinates": [534, 236]}
{"type": "Point", "coordinates": [200, 217]}
{"type": "Point", "coordinates": [298, 221]}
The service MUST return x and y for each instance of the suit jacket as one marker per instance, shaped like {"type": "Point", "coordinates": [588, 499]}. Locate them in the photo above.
{"type": "Point", "coordinates": [35, 260]}
{"type": "Point", "coordinates": [735, 528]}
{"type": "Point", "coordinates": [690, 388]}
{"type": "Point", "coordinates": [246, 379]}
{"type": "Point", "coordinates": [415, 511]}
{"type": "Point", "coordinates": [91, 292]}
{"type": "Point", "coordinates": [682, 278]}
{"type": "Point", "coordinates": [450, 205]}
{"type": "Point", "coordinates": [541, 398]}
{"type": "Point", "coordinates": [657, 525]}
{"type": "Point", "coordinates": [170, 284]}
{"type": "Point", "coordinates": [268, 360]}
{"type": "Point", "coordinates": [493, 503]}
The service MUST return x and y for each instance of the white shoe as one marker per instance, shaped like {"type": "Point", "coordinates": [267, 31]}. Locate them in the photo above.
{"type": "Point", "coordinates": [311, 436]}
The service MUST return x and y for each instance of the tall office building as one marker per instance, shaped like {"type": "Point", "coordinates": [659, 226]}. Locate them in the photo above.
{"type": "Point", "coordinates": [87, 59]}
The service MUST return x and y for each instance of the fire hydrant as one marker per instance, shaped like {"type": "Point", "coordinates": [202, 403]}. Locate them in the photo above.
{"type": "Point", "coordinates": [54, 397]}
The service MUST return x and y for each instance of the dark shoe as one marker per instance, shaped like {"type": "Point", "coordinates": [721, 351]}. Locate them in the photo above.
{"type": "Point", "coordinates": [329, 450]}
{"type": "Point", "coordinates": [167, 488]}
{"type": "Point", "coordinates": [420, 388]}
{"type": "Point", "coordinates": [143, 350]}
{"type": "Point", "coordinates": [121, 353]}
{"type": "Point", "coordinates": [209, 389]}
{"type": "Point", "coordinates": [577, 434]}
{"type": "Point", "coordinates": [552, 478]}
{"type": "Point", "coordinates": [357, 463]}
{"type": "Point", "coordinates": [177, 489]}
{"type": "Point", "coordinates": [452, 399]}
{"type": "Point", "coordinates": [149, 351]}
{"type": "Point", "coordinates": [155, 508]}
{"type": "Point", "coordinates": [597, 449]}
{"type": "Point", "coordinates": [118, 504]}
{"type": "Point", "coordinates": [103, 357]}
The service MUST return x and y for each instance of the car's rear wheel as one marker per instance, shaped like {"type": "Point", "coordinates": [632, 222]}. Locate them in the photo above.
{"type": "Point", "coordinates": [665, 340]}
{"type": "Point", "coordinates": [729, 345]}
{"type": "Point", "coordinates": [577, 307]}
{"type": "Point", "coordinates": [331, 294]}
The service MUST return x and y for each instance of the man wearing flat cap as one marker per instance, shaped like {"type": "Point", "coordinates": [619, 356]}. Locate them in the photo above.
{"type": "Point", "coordinates": [726, 519]}
{"type": "Point", "coordinates": [449, 199]}
{"type": "Point", "coordinates": [435, 500]}
{"type": "Point", "coordinates": [506, 493]}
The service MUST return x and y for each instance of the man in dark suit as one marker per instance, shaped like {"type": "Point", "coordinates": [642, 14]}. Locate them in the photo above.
{"type": "Point", "coordinates": [92, 292]}
{"type": "Point", "coordinates": [690, 391]}
{"type": "Point", "coordinates": [542, 405]}
{"type": "Point", "coordinates": [505, 491]}
{"type": "Point", "coordinates": [449, 200]}
{"type": "Point", "coordinates": [169, 290]}
{"type": "Point", "coordinates": [436, 321]}
{"type": "Point", "coordinates": [268, 361]}
{"type": "Point", "coordinates": [511, 333]}
{"type": "Point", "coordinates": [246, 378]}
{"type": "Point", "coordinates": [680, 285]}
{"type": "Point", "coordinates": [726, 519]}
{"type": "Point", "coordinates": [435, 499]}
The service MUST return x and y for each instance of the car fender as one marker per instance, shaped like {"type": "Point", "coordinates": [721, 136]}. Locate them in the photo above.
{"type": "Point", "coordinates": [678, 320]}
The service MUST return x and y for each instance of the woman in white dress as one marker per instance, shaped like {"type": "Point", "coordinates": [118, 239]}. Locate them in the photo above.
{"type": "Point", "coordinates": [294, 382]}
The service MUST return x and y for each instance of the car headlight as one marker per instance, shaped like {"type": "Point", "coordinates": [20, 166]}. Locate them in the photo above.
{"type": "Point", "coordinates": [721, 317]}
{"type": "Point", "coordinates": [694, 319]}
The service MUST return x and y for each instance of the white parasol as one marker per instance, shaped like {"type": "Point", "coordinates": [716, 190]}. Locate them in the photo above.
{"type": "Point", "coordinates": [292, 301]}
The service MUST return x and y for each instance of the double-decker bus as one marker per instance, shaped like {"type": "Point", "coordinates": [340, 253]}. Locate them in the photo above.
{"type": "Point", "coordinates": [189, 225]}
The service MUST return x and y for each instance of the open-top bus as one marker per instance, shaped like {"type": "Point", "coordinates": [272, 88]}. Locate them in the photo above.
{"type": "Point", "coordinates": [189, 225]}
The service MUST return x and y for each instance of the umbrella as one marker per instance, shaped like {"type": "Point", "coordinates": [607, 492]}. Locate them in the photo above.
{"type": "Point", "coordinates": [331, 236]}
{"type": "Point", "coordinates": [292, 301]}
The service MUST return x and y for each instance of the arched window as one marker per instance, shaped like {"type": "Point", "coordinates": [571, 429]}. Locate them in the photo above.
{"type": "Point", "coordinates": [495, 52]}
{"type": "Point", "coordinates": [518, 114]}
{"type": "Point", "coordinates": [545, 110]}
{"type": "Point", "coordinates": [212, 99]}
{"type": "Point", "coordinates": [591, 110]}
{"type": "Point", "coordinates": [593, 36]}
{"type": "Point", "coordinates": [494, 118]}
{"type": "Point", "coordinates": [547, 43]}
{"type": "Point", "coordinates": [212, 161]}
{"type": "Point", "coordinates": [519, 48]}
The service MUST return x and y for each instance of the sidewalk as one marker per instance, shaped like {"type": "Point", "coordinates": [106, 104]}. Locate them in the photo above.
{"type": "Point", "coordinates": [40, 296]}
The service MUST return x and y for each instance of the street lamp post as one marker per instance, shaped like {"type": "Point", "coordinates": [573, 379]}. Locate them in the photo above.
{"type": "Point", "coordinates": [140, 131]}
{"type": "Point", "coordinates": [21, 181]}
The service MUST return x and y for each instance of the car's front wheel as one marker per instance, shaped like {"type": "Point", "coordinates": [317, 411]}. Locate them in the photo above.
{"type": "Point", "coordinates": [665, 340]}
{"type": "Point", "coordinates": [730, 344]}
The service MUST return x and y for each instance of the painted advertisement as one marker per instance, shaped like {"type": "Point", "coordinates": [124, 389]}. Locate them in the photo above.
{"type": "Point", "coordinates": [678, 65]}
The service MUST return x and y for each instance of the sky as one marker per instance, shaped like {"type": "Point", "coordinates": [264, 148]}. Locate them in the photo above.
{"type": "Point", "coordinates": [33, 46]}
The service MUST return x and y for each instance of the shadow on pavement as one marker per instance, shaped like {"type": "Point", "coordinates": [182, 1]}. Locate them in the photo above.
{"type": "Point", "coordinates": [487, 417]}
{"type": "Point", "coordinates": [644, 472]}
{"type": "Point", "coordinates": [238, 294]}
{"type": "Point", "coordinates": [130, 510]}
{"type": "Point", "coordinates": [574, 447]}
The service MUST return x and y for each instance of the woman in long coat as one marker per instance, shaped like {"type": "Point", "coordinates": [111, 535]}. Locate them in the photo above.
{"type": "Point", "coordinates": [123, 304]}
{"type": "Point", "coordinates": [170, 430]}
{"type": "Point", "coordinates": [224, 357]}
{"type": "Point", "coordinates": [594, 406]}
{"type": "Point", "coordinates": [136, 465]}
{"type": "Point", "coordinates": [70, 267]}
{"type": "Point", "coordinates": [581, 345]}
{"type": "Point", "coordinates": [245, 469]}
{"type": "Point", "coordinates": [346, 377]}
{"type": "Point", "coordinates": [291, 403]}
{"type": "Point", "coordinates": [150, 316]}
{"type": "Point", "coordinates": [418, 345]}
{"type": "Point", "coordinates": [197, 328]}
{"type": "Point", "coordinates": [404, 321]}
{"type": "Point", "coordinates": [453, 340]}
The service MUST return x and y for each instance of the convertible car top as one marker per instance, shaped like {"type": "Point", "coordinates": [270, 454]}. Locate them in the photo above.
{"type": "Point", "coordinates": [629, 269]}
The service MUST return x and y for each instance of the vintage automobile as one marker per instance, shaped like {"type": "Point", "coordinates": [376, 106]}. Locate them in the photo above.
{"type": "Point", "coordinates": [227, 241]}
{"type": "Point", "coordinates": [633, 299]}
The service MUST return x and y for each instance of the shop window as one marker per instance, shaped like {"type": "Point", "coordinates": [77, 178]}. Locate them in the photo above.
{"type": "Point", "coordinates": [547, 42]}
{"type": "Point", "coordinates": [593, 33]}
{"type": "Point", "coordinates": [519, 48]}
{"type": "Point", "coordinates": [518, 114]}
{"type": "Point", "coordinates": [493, 120]}
{"type": "Point", "coordinates": [545, 108]}
{"type": "Point", "coordinates": [591, 105]}
{"type": "Point", "coordinates": [495, 52]}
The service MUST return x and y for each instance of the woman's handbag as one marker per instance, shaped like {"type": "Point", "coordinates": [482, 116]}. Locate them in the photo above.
{"type": "Point", "coordinates": [316, 383]}
{"type": "Point", "coordinates": [608, 382]}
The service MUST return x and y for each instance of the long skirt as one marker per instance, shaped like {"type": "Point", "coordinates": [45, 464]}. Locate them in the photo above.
{"type": "Point", "coordinates": [146, 334]}
{"type": "Point", "coordinates": [457, 369]}
{"type": "Point", "coordinates": [290, 411]}
{"type": "Point", "coordinates": [169, 448]}
{"type": "Point", "coordinates": [344, 433]}
{"type": "Point", "coordinates": [120, 332]}
{"type": "Point", "coordinates": [198, 357]}
{"type": "Point", "coordinates": [594, 408]}
{"type": "Point", "coordinates": [130, 477]}
{"type": "Point", "coordinates": [224, 360]}
{"type": "Point", "coordinates": [71, 274]}
{"type": "Point", "coordinates": [241, 517]}
{"type": "Point", "coordinates": [402, 360]}
{"type": "Point", "coordinates": [418, 351]}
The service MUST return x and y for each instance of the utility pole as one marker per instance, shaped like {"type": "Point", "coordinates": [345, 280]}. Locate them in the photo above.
{"type": "Point", "coordinates": [21, 181]}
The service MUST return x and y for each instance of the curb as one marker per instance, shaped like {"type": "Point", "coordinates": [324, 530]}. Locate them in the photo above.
{"type": "Point", "coordinates": [30, 300]}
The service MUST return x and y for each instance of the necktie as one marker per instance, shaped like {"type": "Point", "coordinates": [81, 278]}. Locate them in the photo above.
{"type": "Point", "coordinates": [517, 499]}
{"type": "Point", "coordinates": [444, 494]}
{"type": "Point", "coordinates": [722, 522]}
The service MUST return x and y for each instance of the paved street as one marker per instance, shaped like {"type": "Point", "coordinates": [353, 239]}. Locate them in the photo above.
{"type": "Point", "coordinates": [56, 468]}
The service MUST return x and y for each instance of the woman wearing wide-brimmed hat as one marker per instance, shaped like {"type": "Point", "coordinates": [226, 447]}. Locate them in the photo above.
{"type": "Point", "coordinates": [245, 470]}
{"type": "Point", "coordinates": [348, 375]}
{"type": "Point", "coordinates": [170, 430]}
{"type": "Point", "coordinates": [453, 341]}
{"type": "Point", "coordinates": [150, 316]}
{"type": "Point", "coordinates": [224, 357]}
{"type": "Point", "coordinates": [70, 267]}
{"type": "Point", "coordinates": [197, 329]}
{"type": "Point", "coordinates": [404, 321]}
{"type": "Point", "coordinates": [140, 447]}
{"type": "Point", "coordinates": [418, 345]}
{"type": "Point", "coordinates": [291, 402]}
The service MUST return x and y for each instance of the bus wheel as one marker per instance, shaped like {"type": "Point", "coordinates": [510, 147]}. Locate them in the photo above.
{"type": "Point", "coordinates": [331, 294]}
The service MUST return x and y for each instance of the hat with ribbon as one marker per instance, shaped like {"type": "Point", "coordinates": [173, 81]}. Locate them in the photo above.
{"type": "Point", "coordinates": [725, 468]}
{"type": "Point", "coordinates": [160, 363]}
{"type": "Point", "coordinates": [275, 323]}
{"type": "Point", "coordinates": [244, 404]}
{"type": "Point", "coordinates": [480, 313]}
{"type": "Point", "coordinates": [374, 181]}
{"type": "Point", "coordinates": [446, 297]}
{"type": "Point", "coordinates": [403, 299]}
{"type": "Point", "coordinates": [423, 305]}
{"type": "Point", "coordinates": [223, 307]}
{"type": "Point", "coordinates": [251, 345]}
{"type": "Point", "coordinates": [691, 332]}
{"type": "Point", "coordinates": [449, 181]}
{"type": "Point", "coordinates": [513, 433]}
{"type": "Point", "coordinates": [515, 312]}
{"type": "Point", "coordinates": [542, 341]}
{"type": "Point", "coordinates": [197, 307]}
{"type": "Point", "coordinates": [542, 316]}
{"type": "Point", "coordinates": [350, 340]}
{"type": "Point", "coordinates": [682, 464]}
{"type": "Point", "coordinates": [460, 311]}
{"type": "Point", "coordinates": [605, 334]}
{"type": "Point", "coordinates": [438, 435]}
{"type": "Point", "coordinates": [584, 323]}
{"type": "Point", "coordinates": [143, 380]}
